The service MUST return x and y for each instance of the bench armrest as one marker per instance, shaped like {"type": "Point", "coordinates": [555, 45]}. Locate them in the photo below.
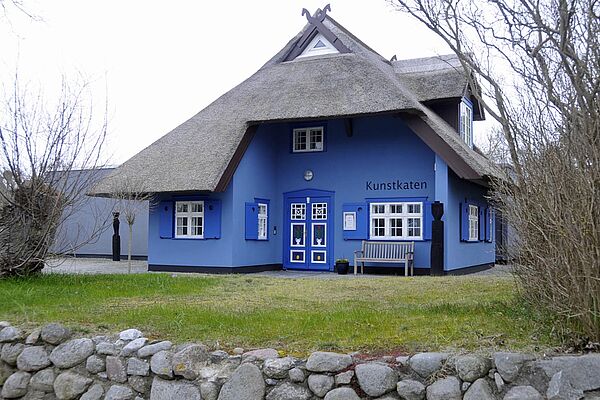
{"type": "Point", "coordinates": [357, 252]}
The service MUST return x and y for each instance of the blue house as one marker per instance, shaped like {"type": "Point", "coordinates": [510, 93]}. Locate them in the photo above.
{"type": "Point", "coordinates": [326, 145]}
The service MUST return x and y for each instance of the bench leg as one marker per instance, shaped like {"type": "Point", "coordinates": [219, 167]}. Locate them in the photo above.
{"type": "Point", "coordinates": [362, 268]}
{"type": "Point", "coordinates": [355, 266]}
{"type": "Point", "coordinates": [406, 268]}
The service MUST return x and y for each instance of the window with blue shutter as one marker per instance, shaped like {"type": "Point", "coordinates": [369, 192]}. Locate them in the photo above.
{"type": "Point", "coordinates": [360, 213]}
{"type": "Point", "coordinates": [257, 219]}
{"type": "Point", "coordinates": [212, 218]}
{"type": "Point", "coordinates": [165, 225]}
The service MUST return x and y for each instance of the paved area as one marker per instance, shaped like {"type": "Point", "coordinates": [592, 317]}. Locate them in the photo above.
{"type": "Point", "coordinates": [107, 266]}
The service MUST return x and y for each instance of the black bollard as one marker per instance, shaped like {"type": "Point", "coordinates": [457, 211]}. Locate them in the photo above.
{"type": "Point", "coordinates": [437, 239]}
{"type": "Point", "coordinates": [116, 239]}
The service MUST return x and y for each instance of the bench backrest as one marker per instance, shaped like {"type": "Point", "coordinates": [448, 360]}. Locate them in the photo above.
{"type": "Point", "coordinates": [388, 250]}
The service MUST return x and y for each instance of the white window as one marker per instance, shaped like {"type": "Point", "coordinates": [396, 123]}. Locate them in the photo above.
{"type": "Point", "coordinates": [466, 123]}
{"type": "Point", "coordinates": [262, 221]}
{"type": "Point", "coordinates": [189, 219]}
{"type": "Point", "coordinates": [308, 139]}
{"type": "Point", "coordinates": [473, 222]}
{"type": "Point", "coordinates": [396, 221]}
{"type": "Point", "coordinates": [318, 46]}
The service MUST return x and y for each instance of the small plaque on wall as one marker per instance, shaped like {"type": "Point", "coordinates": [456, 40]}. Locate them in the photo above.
{"type": "Point", "coordinates": [349, 221]}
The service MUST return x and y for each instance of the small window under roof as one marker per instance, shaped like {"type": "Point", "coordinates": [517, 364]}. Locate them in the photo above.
{"type": "Point", "coordinates": [318, 46]}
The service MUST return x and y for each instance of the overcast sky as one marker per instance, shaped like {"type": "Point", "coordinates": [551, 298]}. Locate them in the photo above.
{"type": "Point", "coordinates": [160, 62]}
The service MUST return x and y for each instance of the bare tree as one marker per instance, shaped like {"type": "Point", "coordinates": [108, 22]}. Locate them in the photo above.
{"type": "Point", "coordinates": [538, 63]}
{"type": "Point", "coordinates": [43, 149]}
{"type": "Point", "coordinates": [131, 201]}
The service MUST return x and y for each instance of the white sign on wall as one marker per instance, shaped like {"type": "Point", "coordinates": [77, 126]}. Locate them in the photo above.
{"type": "Point", "coordinates": [349, 221]}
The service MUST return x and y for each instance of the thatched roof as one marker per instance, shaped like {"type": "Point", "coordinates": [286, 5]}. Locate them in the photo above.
{"type": "Point", "coordinates": [195, 155]}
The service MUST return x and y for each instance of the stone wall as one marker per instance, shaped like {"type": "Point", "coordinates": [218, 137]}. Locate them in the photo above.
{"type": "Point", "coordinates": [49, 363]}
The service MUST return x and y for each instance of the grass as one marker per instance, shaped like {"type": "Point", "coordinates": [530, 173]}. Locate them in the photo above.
{"type": "Point", "coordinates": [390, 314]}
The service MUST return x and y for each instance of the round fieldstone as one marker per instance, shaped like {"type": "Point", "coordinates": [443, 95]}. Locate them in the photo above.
{"type": "Point", "coordinates": [152, 349]}
{"type": "Point", "coordinates": [115, 369]}
{"type": "Point", "coordinates": [246, 383]}
{"type": "Point", "coordinates": [445, 389]}
{"type": "Point", "coordinates": [95, 364]}
{"type": "Point", "coordinates": [130, 334]}
{"type": "Point", "coordinates": [209, 391]}
{"type": "Point", "coordinates": [523, 393]}
{"type": "Point", "coordinates": [259, 355]}
{"type": "Point", "coordinates": [161, 364]}
{"type": "Point", "coordinates": [323, 361]}
{"type": "Point", "coordinates": [289, 391]}
{"type": "Point", "coordinates": [169, 390]}
{"type": "Point", "coordinates": [34, 336]}
{"type": "Point", "coordinates": [10, 352]}
{"type": "Point", "coordinates": [72, 353]}
{"type": "Point", "coordinates": [55, 334]}
{"type": "Point", "coordinates": [10, 334]}
{"type": "Point", "coordinates": [188, 361]}
{"type": "Point", "coordinates": [133, 346]}
{"type": "Point", "coordinates": [426, 364]}
{"type": "Point", "coordinates": [344, 378]}
{"type": "Point", "coordinates": [95, 392]}
{"type": "Point", "coordinates": [33, 359]}
{"type": "Point", "coordinates": [479, 390]}
{"type": "Point", "coordinates": [320, 384]}
{"type": "Point", "coordinates": [43, 380]}
{"type": "Point", "coordinates": [296, 375]}
{"type": "Point", "coordinates": [16, 385]}
{"type": "Point", "coordinates": [278, 367]}
{"type": "Point", "coordinates": [472, 367]}
{"type": "Point", "coordinates": [409, 389]}
{"type": "Point", "coordinates": [138, 367]}
{"type": "Point", "coordinates": [509, 365]}
{"type": "Point", "coordinates": [69, 385]}
{"type": "Point", "coordinates": [4, 324]}
{"type": "Point", "coordinates": [118, 392]}
{"type": "Point", "coordinates": [107, 349]}
{"type": "Point", "coordinates": [218, 355]}
{"type": "Point", "coordinates": [376, 379]}
{"type": "Point", "coordinates": [140, 384]}
{"type": "Point", "coordinates": [343, 393]}
{"type": "Point", "coordinates": [5, 371]}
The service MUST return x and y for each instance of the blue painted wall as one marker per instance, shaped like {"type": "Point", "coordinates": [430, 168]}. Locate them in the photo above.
{"type": "Point", "coordinates": [380, 150]}
{"type": "Point", "coordinates": [464, 254]}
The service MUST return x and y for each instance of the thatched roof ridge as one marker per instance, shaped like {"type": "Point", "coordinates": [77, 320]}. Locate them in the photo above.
{"type": "Point", "coordinates": [194, 156]}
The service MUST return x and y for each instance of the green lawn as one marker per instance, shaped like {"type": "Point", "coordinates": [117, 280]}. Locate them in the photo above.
{"type": "Point", "coordinates": [296, 315]}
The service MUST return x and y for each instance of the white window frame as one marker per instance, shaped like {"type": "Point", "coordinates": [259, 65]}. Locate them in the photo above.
{"type": "Point", "coordinates": [311, 50]}
{"type": "Point", "coordinates": [308, 132]}
{"type": "Point", "coordinates": [189, 215]}
{"type": "Point", "coordinates": [466, 123]}
{"type": "Point", "coordinates": [473, 223]}
{"type": "Point", "coordinates": [263, 221]}
{"type": "Point", "coordinates": [388, 215]}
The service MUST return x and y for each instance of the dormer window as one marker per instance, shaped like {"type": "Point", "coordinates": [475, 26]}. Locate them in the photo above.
{"type": "Point", "coordinates": [466, 121]}
{"type": "Point", "coordinates": [318, 46]}
{"type": "Point", "coordinates": [308, 139]}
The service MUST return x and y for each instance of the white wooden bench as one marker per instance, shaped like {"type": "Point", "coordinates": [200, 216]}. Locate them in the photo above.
{"type": "Point", "coordinates": [385, 252]}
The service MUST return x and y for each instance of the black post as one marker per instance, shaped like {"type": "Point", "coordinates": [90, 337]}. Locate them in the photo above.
{"type": "Point", "coordinates": [437, 239]}
{"type": "Point", "coordinates": [116, 239]}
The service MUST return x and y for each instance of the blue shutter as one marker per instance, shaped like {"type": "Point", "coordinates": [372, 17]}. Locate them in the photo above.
{"type": "Point", "coordinates": [251, 221]}
{"type": "Point", "coordinates": [427, 220]}
{"type": "Point", "coordinates": [362, 221]}
{"type": "Point", "coordinates": [481, 221]}
{"type": "Point", "coordinates": [464, 222]}
{"type": "Point", "coordinates": [165, 219]}
{"type": "Point", "coordinates": [212, 219]}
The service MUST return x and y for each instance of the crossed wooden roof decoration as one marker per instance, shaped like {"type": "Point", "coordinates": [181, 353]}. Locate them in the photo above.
{"type": "Point", "coordinates": [317, 27]}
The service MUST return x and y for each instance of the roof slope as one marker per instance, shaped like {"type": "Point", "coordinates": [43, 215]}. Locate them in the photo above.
{"type": "Point", "coordinates": [194, 156]}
